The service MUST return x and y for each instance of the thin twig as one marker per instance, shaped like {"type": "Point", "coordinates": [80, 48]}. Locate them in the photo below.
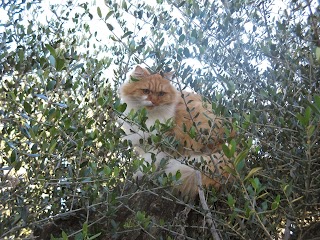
{"type": "Point", "coordinates": [215, 234]}
{"type": "Point", "coordinates": [287, 230]}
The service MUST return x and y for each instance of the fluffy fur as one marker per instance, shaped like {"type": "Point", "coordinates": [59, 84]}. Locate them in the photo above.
{"type": "Point", "coordinates": [198, 131]}
{"type": "Point", "coordinates": [212, 172]}
{"type": "Point", "coordinates": [160, 101]}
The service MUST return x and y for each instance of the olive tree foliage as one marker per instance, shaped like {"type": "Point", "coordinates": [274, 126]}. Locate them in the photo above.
{"type": "Point", "coordinates": [259, 64]}
{"type": "Point", "coordinates": [61, 148]}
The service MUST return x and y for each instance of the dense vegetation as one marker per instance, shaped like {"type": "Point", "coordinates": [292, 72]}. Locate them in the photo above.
{"type": "Point", "coordinates": [61, 153]}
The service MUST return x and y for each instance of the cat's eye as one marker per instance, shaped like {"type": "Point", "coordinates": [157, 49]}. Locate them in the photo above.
{"type": "Point", "coordinates": [160, 94]}
{"type": "Point", "coordinates": [145, 91]}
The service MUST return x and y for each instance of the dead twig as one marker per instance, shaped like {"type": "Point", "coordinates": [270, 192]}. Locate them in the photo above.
{"type": "Point", "coordinates": [210, 221]}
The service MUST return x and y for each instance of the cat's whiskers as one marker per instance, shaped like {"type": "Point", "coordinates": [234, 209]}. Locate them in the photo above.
{"type": "Point", "coordinates": [147, 103]}
{"type": "Point", "coordinates": [139, 103]}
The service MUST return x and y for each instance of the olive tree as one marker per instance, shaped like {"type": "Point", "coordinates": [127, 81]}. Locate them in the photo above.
{"type": "Point", "coordinates": [63, 160]}
{"type": "Point", "coordinates": [60, 148]}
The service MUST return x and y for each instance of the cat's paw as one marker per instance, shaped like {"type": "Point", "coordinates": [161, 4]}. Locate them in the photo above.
{"type": "Point", "coordinates": [137, 176]}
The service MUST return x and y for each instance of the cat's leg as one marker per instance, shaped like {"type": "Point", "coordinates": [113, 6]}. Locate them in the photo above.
{"type": "Point", "coordinates": [212, 173]}
{"type": "Point", "coordinates": [150, 157]}
{"type": "Point", "coordinates": [186, 185]}
{"type": "Point", "coordinates": [133, 133]}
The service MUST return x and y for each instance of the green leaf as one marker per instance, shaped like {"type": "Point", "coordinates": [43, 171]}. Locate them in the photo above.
{"type": "Point", "coordinates": [52, 147]}
{"type": "Point", "coordinates": [140, 216]}
{"type": "Point", "coordinates": [287, 189]}
{"type": "Point", "coordinates": [94, 236]}
{"type": "Point", "coordinates": [240, 157]}
{"type": "Point", "coordinates": [255, 182]}
{"type": "Point", "coordinates": [13, 156]}
{"type": "Point", "coordinates": [80, 65]}
{"type": "Point", "coordinates": [181, 4]}
{"type": "Point", "coordinates": [317, 101]}
{"type": "Point", "coordinates": [231, 202]}
{"type": "Point", "coordinates": [314, 107]}
{"type": "Point", "coordinates": [307, 114]}
{"type": "Point", "coordinates": [42, 96]}
{"type": "Point", "coordinates": [310, 130]}
{"type": "Point", "coordinates": [226, 151]}
{"type": "Point", "coordinates": [109, 14]}
{"type": "Point", "coordinates": [181, 38]}
{"type": "Point", "coordinates": [155, 138]}
{"type": "Point", "coordinates": [318, 53]}
{"type": "Point", "coordinates": [99, 12]}
{"type": "Point", "coordinates": [126, 34]}
{"type": "Point", "coordinates": [51, 114]}
{"type": "Point", "coordinates": [124, 5]}
{"type": "Point", "coordinates": [27, 107]}
{"type": "Point", "coordinates": [51, 85]}
{"type": "Point", "coordinates": [192, 132]}
{"type": "Point", "coordinates": [25, 132]}
{"type": "Point", "coordinates": [252, 172]}
{"type": "Point", "coordinates": [133, 79]}
{"type": "Point", "coordinates": [60, 64]}
{"type": "Point", "coordinates": [21, 55]}
{"type": "Point", "coordinates": [107, 171]}
{"type": "Point", "coordinates": [194, 33]}
{"type": "Point", "coordinates": [85, 229]}
{"type": "Point", "coordinates": [52, 60]}
{"type": "Point", "coordinates": [178, 175]}
{"type": "Point", "coordinates": [121, 107]}
{"type": "Point", "coordinates": [110, 27]}
{"type": "Point", "coordinates": [12, 95]}
{"type": "Point", "coordinates": [33, 154]}
{"type": "Point", "coordinates": [305, 118]}
{"type": "Point", "coordinates": [230, 149]}
{"type": "Point", "coordinates": [186, 52]}
{"type": "Point", "coordinates": [64, 236]}
{"type": "Point", "coordinates": [100, 101]}
{"type": "Point", "coordinates": [51, 50]}
{"type": "Point", "coordinates": [229, 170]}
{"type": "Point", "coordinates": [61, 105]}
{"type": "Point", "coordinates": [275, 203]}
{"type": "Point", "coordinates": [116, 171]}
{"type": "Point", "coordinates": [155, 20]}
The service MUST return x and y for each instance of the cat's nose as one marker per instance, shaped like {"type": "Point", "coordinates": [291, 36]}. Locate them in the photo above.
{"type": "Point", "coordinates": [152, 100]}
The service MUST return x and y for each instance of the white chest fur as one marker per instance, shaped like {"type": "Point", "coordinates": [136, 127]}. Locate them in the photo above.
{"type": "Point", "coordinates": [135, 133]}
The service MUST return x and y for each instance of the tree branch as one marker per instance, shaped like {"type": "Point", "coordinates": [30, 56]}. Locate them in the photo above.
{"type": "Point", "coordinates": [215, 234]}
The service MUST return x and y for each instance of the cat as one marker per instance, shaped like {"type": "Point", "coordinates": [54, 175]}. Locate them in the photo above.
{"type": "Point", "coordinates": [198, 132]}
{"type": "Point", "coordinates": [162, 102]}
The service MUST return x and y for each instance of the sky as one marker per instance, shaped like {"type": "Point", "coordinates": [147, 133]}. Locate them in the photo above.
{"type": "Point", "coordinates": [96, 24]}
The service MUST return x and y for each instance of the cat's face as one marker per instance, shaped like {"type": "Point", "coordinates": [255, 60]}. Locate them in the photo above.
{"type": "Point", "coordinates": [145, 90]}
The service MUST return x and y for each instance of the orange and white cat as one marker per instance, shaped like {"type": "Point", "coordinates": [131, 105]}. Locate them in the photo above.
{"type": "Point", "coordinates": [198, 131]}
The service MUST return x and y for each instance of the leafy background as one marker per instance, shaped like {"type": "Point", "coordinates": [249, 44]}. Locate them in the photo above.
{"type": "Point", "coordinates": [61, 152]}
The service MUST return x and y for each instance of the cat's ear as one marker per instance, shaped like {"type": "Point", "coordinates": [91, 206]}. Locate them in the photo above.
{"type": "Point", "coordinates": [168, 75]}
{"type": "Point", "coordinates": [139, 72]}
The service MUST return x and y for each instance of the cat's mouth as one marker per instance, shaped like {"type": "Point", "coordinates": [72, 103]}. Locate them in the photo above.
{"type": "Point", "coordinates": [150, 107]}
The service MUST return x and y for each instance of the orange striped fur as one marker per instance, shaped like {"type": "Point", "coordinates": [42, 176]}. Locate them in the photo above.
{"type": "Point", "coordinates": [196, 128]}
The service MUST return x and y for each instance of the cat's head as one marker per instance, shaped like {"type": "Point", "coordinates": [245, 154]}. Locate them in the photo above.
{"type": "Point", "coordinates": [151, 91]}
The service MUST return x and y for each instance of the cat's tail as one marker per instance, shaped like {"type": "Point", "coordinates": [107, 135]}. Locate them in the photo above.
{"type": "Point", "coordinates": [211, 167]}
